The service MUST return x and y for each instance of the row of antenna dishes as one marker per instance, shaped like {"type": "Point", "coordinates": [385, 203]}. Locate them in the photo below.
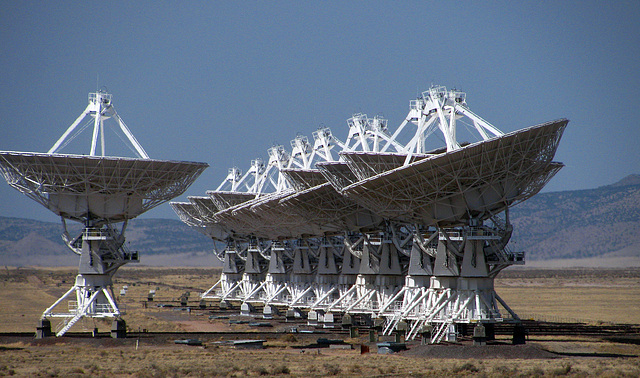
{"type": "Point", "coordinates": [437, 109]}
{"type": "Point", "coordinates": [389, 229]}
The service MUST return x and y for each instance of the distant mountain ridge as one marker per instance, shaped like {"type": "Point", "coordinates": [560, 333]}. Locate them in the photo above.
{"type": "Point", "coordinates": [32, 242]}
{"type": "Point", "coordinates": [601, 222]}
{"type": "Point", "coordinates": [631, 180]}
{"type": "Point", "coordinates": [579, 224]}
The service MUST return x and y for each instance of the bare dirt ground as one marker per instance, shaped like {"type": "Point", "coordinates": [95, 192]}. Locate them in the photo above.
{"type": "Point", "coordinates": [605, 295]}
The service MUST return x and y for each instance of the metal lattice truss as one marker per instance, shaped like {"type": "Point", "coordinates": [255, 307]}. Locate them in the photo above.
{"type": "Point", "coordinates": [100, 109]}
{"type": "Point", "coordinates": [190, 214]}
{"type": "Point", "coordinates": [98, 191]}
{"type": "Point", "coordinates": [254, 213]}
{"type": "Point", "coordinates": [234, 208]}
{"type": "Point", "coordinates": [474, 181]}
{"type": "Point", "coordinates": [391, 230]}
{"type": "Point", "coordinates": [324, 206]}
{"type": "Point", "coordinates": [114, 189]}
{"type": "Point", "coordinates": [439, 110]}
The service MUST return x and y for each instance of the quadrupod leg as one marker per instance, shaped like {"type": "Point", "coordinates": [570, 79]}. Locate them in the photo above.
{"type": "Point", "coordinates": [93, 298]}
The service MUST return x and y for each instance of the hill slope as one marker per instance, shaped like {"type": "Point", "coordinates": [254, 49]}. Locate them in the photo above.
{"type": "Point", "coordinates": [579, 224]}
{"type": "Point", "coordinates": [31, 242]}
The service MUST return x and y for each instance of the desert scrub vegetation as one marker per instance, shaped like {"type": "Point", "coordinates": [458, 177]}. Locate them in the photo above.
{"type": "Point", "coordinates": [175, 360]}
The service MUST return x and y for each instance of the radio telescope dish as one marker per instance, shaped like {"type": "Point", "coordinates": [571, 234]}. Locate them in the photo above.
{"type": "Point", "coordinates": [333, 212]}
{"type": "Point", "coordinates": [474, 181]}
{"type": "Point", "coordinates": [98, 191]}
{"type": "Point", "coordinates": [106, 189]}
{"type": "Point", "coordinates": [403, 231]}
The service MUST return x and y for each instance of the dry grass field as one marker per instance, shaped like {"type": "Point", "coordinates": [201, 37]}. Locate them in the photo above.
{"type": "Point", "coordinates": [574, 295]}
{"type": "Point", "coordinates": [586, 295]}
{"type": "Point", "coordinates": [76, 360]}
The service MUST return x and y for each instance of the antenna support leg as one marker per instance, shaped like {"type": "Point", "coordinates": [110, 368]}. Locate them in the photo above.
{"type": "Point", "coordinates": [102, 253]}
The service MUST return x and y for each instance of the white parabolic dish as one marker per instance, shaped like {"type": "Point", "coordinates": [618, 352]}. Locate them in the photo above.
{"type": "Point", "coordinates": [109, 189]}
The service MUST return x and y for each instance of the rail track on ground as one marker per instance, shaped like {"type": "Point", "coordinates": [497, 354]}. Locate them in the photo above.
{"type": "Point", "coordinates": [621, 332]}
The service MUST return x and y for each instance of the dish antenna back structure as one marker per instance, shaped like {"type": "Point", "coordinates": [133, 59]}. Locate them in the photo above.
{"type": "Point", "coordinates": [100, 192]}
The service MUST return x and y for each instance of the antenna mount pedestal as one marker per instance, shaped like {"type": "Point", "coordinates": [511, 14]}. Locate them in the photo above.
{"type": "Point", "coordinates": [103, 251]}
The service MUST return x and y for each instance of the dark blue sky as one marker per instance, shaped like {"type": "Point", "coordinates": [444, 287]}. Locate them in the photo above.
{"type": "Point", "coordinates": [221, 82]}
